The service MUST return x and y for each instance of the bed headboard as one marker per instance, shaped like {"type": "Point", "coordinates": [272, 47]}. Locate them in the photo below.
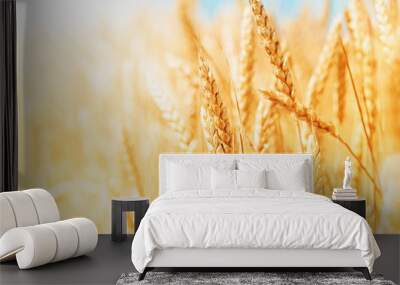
{"type": "Point", "coordinates": [307, 158]}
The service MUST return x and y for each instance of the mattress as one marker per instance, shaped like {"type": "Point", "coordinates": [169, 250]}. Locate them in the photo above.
{"type": "Point", "coordinates": [250, 219]}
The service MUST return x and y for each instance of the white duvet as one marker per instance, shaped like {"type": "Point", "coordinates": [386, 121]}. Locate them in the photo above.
{"type": "Point", "coordinates": [252, 218]}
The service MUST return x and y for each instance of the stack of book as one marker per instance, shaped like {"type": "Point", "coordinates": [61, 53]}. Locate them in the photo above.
{"type": "Point", "coordinates": [344, 194]}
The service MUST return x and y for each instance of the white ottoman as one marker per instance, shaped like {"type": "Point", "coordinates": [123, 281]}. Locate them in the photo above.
{"type": "Point", "coordinates": [33, 243]}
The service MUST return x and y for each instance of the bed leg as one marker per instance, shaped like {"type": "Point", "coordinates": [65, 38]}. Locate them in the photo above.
{"type": "Point", "coordinates": [143, 274]}
{"type": "Point", "coordinates": [365, 272]}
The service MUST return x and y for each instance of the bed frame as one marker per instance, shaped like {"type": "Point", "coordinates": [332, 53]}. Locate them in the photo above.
{"type": "Point", "coordinates": [245, 259]}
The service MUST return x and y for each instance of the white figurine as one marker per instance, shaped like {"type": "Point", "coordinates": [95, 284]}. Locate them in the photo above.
{"type": "Point", "coordinates": [347, 174]}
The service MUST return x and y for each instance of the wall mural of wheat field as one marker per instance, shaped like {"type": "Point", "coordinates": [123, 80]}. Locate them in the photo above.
{"type": "Point", "coordinates": [145, 77]}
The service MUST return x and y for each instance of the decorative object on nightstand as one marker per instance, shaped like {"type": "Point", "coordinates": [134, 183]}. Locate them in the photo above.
{"type": "Point", "coordinates": [348, 174]}
{"type": "Point", "coordinates": [347, 192]}
{"type": "Point", "coordinates": [120, 206]}
{"type": "Point", "coordinates": [344, 194]}
{"type": "Point", "coordinates": [357, 205]}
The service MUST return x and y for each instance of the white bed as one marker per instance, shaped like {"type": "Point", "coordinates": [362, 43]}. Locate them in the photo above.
{"type": "Point", "coordinates": [250, 227]}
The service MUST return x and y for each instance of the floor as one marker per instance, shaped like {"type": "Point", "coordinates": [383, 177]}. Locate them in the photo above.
{"type": "Point", "coordinates": [103, 266]}
{"type": "Point", "coordinates": [110, 260]}
{"type": "Point", "coordinates": [389, 262]}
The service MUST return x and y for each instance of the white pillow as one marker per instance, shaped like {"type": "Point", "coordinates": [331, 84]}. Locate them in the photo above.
{"type": "Point", "coordinates": [181, 177]}
{"type": "Point", "coordinates": [205, 162]}
{"type": "Point", "coordinates": [282, 174]}
{"type": "Point", "coordinates": [189, 174]}
{"type": "Point", "coordinates": [223, 179]}
{"type": "Point", "coordinates": [291, 179]}
{"type": "Point", "coordinates": [251, 178]}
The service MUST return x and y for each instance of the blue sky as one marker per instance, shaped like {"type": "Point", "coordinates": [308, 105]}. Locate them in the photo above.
{"type": "Point", "coordinates": [281, 8]}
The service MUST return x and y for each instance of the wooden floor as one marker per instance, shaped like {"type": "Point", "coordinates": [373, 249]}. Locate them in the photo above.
{"type": "Point", "coordinates": [111, 259]}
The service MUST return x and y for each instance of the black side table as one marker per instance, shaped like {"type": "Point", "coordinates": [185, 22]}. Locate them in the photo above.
{"type": "Point", "coordinates": [357, 205]}
{"type": "Point", "coordinates": [119, 208]}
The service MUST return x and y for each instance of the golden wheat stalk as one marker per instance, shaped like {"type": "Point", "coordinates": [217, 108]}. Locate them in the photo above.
{"type": "Point", "coordinates": [313, 145]}
{"type": "Point", "coordinates": [217, 127]}
{"type": "Point", "coordinates": [376, 189]}
{"type": "Point", "coordinates": [171, 116]}
{"type": "Point", "coordinates": [370, 94]}
{"type": "Point", "coordinates": [348, 20]}
{"type": "Point", "coordinates": [387, 34]}
{"type": "Point", "coordinates": [189, 74]}
{"type": "Point", "coordinates": [318, 80]}
{"type": "Point", "coordinates": [361, 27]}
{"type": "Point", "coordinates": [271, 45]}
{"type": "Point", "coordinates": [323, 181]}
{"type": "Point", "coordinates": [340, 87]}
{"type": "Point", "coordinates": [188, 28]}
{"type": "Point", "coordinates": [266, 130]}
{"type": "Point", "coordinates": [246, 97]}
{"type": "Point", "coordinates": [208, 130]}
{"type": "Point", "coordinates": [186, 72]}
{"type": "Point", "coordinates": [191, 78]}
{"type": "Point", "coordinates": [241, 132]}
{"type": "Point", "coordinates": [132, 162]}
{"type": "Point", "coordinates": [358, 17]}
{"type": "Point", "coordinates": [325, 15]}
{"type": "Point", "coordinates": [287, 55]}
{"type": "Point", "coordinates": [360, 110]}
{"type": "Point", "coordinates": [305, 114]}
{"type": "Point", "coordinates": [359, 150]}
{"type": "Point", "coordinates": [320, 177]}
{"type": "Point", "coordinates": [369, 82]}
{"type": "Point", "coordinates": [280, 61]}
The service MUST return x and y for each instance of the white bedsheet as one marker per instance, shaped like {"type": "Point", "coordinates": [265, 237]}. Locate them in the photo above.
{"type": "Point", "coordinates": [251, 218]}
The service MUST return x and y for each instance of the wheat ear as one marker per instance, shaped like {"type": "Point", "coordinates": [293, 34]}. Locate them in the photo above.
{"type": "Point", "coordinates": [303, 113]}
{"type": "Point", "coordinates": [325, 15]}
{"type": "Point", "coordinates": [270, 43]}
{"type": "Point", "coordinates": [360, 23]}
{"type": "Point", "coordinates": [318, 80]}
{"type": "Point", "coordinates": [322, 181]}
{"type": "Point", "coordinates": [246, 96]}
{"type": "Point", "coordinates": [358, 15]}
{"type": "Point", "coordinates": [266, 127]}
{"type": "Point", "coordinates": [185, 71]}
{"type": "Point", "coordinates": [388, 31]}
{"type": "Point", "coordinates": [313, 145]}
{"type": "Point", "coordinates": [217, 128]}
{"type": "Point", "coordinates": [387, 34]}
{"type": "Point", "coordinates": [348, 20]}
{"type": "Point", "coordinates": [208, 131]}
{"type": "Point", "coordinates": [280, 61]}
{"type": "Point", "coordinates": [190, 74]}
{"type": "Point", "coordinates": [172, 117]}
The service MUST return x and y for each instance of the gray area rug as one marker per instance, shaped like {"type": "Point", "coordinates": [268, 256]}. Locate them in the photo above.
{"type": "Point", "coordinates": [229, 278]}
